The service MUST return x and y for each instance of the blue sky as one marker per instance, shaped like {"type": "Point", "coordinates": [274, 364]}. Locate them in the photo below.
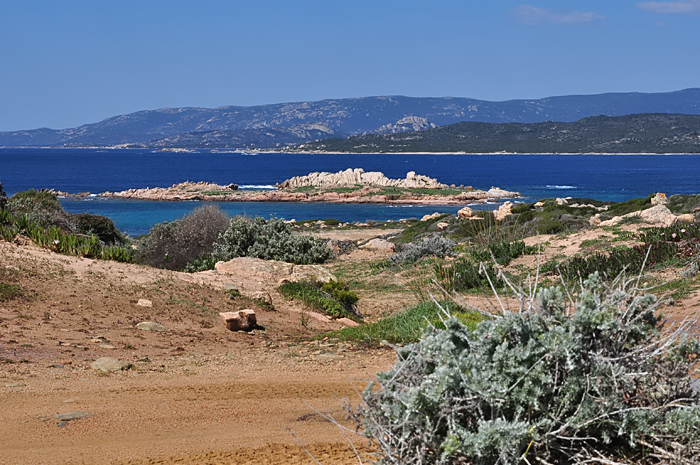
{"type": "Point", "coordinates": [66, 63]}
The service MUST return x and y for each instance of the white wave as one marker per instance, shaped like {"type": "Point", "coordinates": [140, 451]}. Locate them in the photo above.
{"type": "Point", "coordinates": [560, 187]}
{"type": "Point", "coordinates": [265, 186]}
{"type": "Point", "coordinates": [93, 195]}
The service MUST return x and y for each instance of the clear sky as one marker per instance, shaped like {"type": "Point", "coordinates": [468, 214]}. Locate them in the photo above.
{"type": "Point", "coordinates": [66, 63]}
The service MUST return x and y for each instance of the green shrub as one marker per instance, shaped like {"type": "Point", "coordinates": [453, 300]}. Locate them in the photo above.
{"type": "Point", "coordinates": [39, 207]}
{"type": "Point", "coordinates": [546, 385]}
{"type": "Point", "coordinates": [173, 245]}
{"type": "Point", "coordinates": [100, 226]}
{"type": "Point", "coordinates": [463, 275]}
{"type": "Point", "coordinates": [340, 292]}
{"type": "Point", "coordinates": [3, 198]}
{"type": "Point", "coordinates": [418, 229]}
{"type": "Point", "coordinates": [433, 245]}
{"type": "Point", "coordinates": [503, 252]}
{"type": "Point", "coordinates": [9, 291]}
{"type": "Point", "coordinates": [268, 240]}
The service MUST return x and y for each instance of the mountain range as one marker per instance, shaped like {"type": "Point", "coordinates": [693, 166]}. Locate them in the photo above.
{"type": "Point", "coordinates": [279, 125]}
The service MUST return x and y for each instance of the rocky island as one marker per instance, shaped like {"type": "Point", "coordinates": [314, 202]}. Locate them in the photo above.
{"type": "Point", "coordinates": [349, 186]}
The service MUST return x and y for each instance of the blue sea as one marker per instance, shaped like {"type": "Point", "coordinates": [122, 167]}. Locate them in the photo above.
{"type": "Point", "coordinates": [603, 177]}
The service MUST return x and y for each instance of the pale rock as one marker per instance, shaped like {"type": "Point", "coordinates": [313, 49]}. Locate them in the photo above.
{"type": "Point", "coordinates": [498, 193]}
{"type": "Point", "coordinates": [379, 244]}
{"type": "Point", "coordinates": [150, 326]}
{"type": "Point", "coordinates": [348, 322]}
{"type": "Point", "coordinates": [358, 177]}
{"type": "Point", "coordinates": [441, 226]}
{"type": "Point", "coordinates": [109, 365]}
{"type": "Point", "coordinates": [144, 303]}
{"type": "Point", "coordinates": [503, 211]}
{"type": "Point", "coordinates": [561, 201]}
{"type": "Point", "coordinates": [430, 217]}
{"type": "Point", "coordinates": [686, 218]}
{"type": "Point", "coordinates": [539, 204]}
{"type": "Point", "coordinates": [659, 215]}
{"type": "Point", "coordinates": [242, 320]}
{"type": "Point", "coordinates": [465, 212]}
{"type": "Point", "coordinates": [659, 199]}
{"type": "Point", "coordinates": [595, 220]}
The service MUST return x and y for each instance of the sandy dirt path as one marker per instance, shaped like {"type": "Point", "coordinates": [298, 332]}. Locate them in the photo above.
{"type": "Point", "coordinates": [196, 393]}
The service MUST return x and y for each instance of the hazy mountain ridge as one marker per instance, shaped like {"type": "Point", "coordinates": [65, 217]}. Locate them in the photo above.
{"type": "Point", "coordinates": [642, 133]}
{"type": "Point", "coordinates": [365, 115]}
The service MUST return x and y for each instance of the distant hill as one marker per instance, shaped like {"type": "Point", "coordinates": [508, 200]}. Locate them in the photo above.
{"type": "Point", "coordinates": [645, 133]}
{"type": "Point", "coordinates": [289, 123]}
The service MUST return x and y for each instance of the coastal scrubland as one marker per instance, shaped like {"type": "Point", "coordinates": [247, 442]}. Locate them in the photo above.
{"type": "Point", "coordinates": [561, 331]}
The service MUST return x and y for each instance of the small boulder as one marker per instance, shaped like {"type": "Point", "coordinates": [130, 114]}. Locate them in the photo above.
{"type": "Point", "coordinates": [595, 220]}
{"type": "Point", "coordinates": [561, 201]}
{"type": "Point", "coordinates": [686, 218]}
{"type": "Point", "coordinates": [441, 226]}
{"type": "Point", "coordinates": [465, 212]}
{"type": "Point", "coordinates": [430, 217]}
{"type": "Point", "coordinates": [379, 244]}
{"type": "Point", "coordinates": [348, 322]}
{"type": "Point", "coordinates": [150, 326]}
{"type": "Point", "coordinates": [658, 215]}
{"type": "Point", "coordinates": [503, 211]}
{"type": "Point", "coordinates": [144, 303]}
{"type": "Point", "coordinates": [242, 320]}
{"type": "Point", "coordinates": [109, 364]}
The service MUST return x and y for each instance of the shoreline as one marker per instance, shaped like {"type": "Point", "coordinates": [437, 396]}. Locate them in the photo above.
{"type": "Point", "coordinates": [309, 152]}
{"type": "Point", "coordinates": [209, 192]}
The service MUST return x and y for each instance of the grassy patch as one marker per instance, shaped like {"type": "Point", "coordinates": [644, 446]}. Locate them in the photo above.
{"type": "Point", "coordinates": [677, 289]}
{"type": "Point", "coordinates": [9, 291]}
{"type": "Point", "coordinates": [328, 303]}
{"type": "Point", "coordinates": [404, 327]}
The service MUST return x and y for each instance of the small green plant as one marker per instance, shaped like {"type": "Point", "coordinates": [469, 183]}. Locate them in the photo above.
{"type": "Point", "coordinates": [503, 252]}
{"type": "Point", "coordinates": [464, 275]}
{"type": "Point", "coordinates": [9, 291]}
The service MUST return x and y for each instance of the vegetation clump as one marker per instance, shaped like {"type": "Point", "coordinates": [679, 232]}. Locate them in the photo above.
{"type": "Point", "coordinates": [39, 216]}
{"type": "Point", "coordinates": [268, 240]}
{"type": "Point", "coordinates": [172, 245]}
{"type": "Point", "coordinates": [332, 299]}
{"type": "Point", "coordinates": [433, 245]}
{"type": "Point", "coordinates": [404, 327]}
{"type": "Point", "coordinates": [597, 380]}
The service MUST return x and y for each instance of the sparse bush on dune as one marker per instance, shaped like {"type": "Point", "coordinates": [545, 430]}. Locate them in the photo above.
{"type": "Point", "coordinates": [269, 240]}
{"type": "Point", "coordinates": [598, 380]}
{"type": "Point", "coordinates": [433, 245]}
{"type": "Point", "coordinates": [40, 207]}
{"type": "Point", "coordinates": [172, 245]}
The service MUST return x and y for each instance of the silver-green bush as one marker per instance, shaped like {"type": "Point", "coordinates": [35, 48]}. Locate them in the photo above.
{"type": "Point", "coordinates": [595, 380]}
{"type": "Point", "coordinates": [268, 240]}
{"type": "Point", "coordinates": [433, 245]}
